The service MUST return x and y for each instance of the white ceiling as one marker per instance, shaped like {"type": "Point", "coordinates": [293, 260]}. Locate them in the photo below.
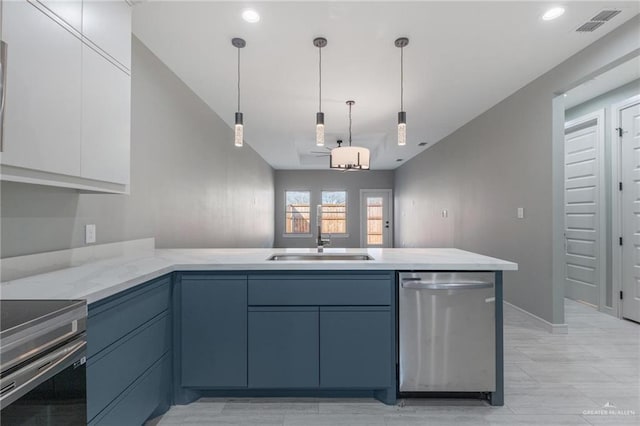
{"type": "Point", "coordinates": [463, 58]}
{"type": "Point", "coordinates": [603, 83]}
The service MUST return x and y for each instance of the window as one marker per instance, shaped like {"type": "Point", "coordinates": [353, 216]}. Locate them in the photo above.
{"type": "Point", "coordinates": [298, 207]}
{"type": "Point", "coordinates": [334, 212]}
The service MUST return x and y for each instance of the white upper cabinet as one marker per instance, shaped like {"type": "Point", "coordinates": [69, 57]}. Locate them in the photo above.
{"type": "Point", "coordinates": [69, 11]}
{"type": "Point", "coordinates": [43, 98]}
{"type": "Point", "coordinates": [108, 25]}
{"type": "Point", "coordinates": [106, 121]}
{"type": "Point", "coordinates": [67, 116]}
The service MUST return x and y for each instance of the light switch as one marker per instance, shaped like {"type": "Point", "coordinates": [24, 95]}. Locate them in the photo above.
{"type": "Point", "coordinates": [445, 213]}
{"type": "Point", "coordinates": [520, 212]}
{"type": "Point", "coordinates": [90, 234]}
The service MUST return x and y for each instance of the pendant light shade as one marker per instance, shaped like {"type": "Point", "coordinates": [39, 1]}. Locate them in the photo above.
{"type": "Point", "coordinates": [320, 129]}
{"type": "Point", "coordinates": [349, 157]}
{"type": "Point", "coordinates": [239, 123]}
{"type": "Point", "coordinates": [320, 42]}
{"type": "Point", "coordinates": [239, 130]}
{"type": "Point", "coordinates": [401, 43]}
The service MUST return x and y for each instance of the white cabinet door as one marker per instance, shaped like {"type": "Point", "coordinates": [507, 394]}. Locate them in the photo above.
{"type": "Point", "coordinates": [43, 100]}
{"type": "Point", "coordinates": [585, 252]}
{"type": "Point", "coordinates": [106, 122]}
{"type": "Point", "coordinates": [108, 25]}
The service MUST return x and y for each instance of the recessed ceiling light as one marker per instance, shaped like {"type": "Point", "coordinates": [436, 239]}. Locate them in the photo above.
{"type": "Point", "coordinates": [553, 13]}
{"type": "Point", "coordinates": [422, 143]}
{"type": "Point", "coordinates": [251, 16]}
{"type": "Point", "coordinates": [398, 159]}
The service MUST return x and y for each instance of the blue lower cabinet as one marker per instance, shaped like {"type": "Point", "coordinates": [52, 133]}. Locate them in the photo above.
{"type": "Point", "coordinates": [149, 394]}
{"type": "Point", "coordinates": [109, 320]}
{"type": "Point", "coordinates": [119, 365]}
{"type": "Point", "coordinates": [213, 331]}
{"type": "Point", "coordinates": [356, 349]}
{"type": "Point", "coordinates": [283, 347]}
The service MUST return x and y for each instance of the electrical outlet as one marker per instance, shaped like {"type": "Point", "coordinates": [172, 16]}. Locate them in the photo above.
{"type": "Point", "coordinates": [520, 212]}
{"type": "Point", "coordinates": [90, 234]}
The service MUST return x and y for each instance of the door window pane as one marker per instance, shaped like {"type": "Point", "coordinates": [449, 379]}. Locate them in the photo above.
{"type": "Point", "coordinates": [374, 220]}
{"type": "Point", "coordinates": [334, 212]}
{"type": "Point", "coordinates": [298, 206]}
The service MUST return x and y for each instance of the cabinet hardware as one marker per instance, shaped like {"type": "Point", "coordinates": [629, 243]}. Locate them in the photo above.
{"type": "Point", "coordinates": [3, 89]}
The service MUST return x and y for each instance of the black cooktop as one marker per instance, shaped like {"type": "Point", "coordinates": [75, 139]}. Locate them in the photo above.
{"type": "Point", "coordinates": [14, 313]}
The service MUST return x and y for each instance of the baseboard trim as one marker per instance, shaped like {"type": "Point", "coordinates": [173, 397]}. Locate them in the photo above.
{"type": "Point", "coordinates": [550, 327]}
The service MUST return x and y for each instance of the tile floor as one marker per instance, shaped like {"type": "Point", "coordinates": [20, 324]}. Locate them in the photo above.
{"type": "Point", "coordinates": [550, 379]}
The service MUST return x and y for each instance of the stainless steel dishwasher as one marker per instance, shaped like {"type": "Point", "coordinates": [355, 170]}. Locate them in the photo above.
{"type": "Point", "coordinates": [447, 332]}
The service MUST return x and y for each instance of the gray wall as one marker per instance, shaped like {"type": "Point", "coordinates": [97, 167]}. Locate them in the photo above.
{"type": "Point", "coordinates": [503, 159]}
{"type": "Point", "coordinates": [316, 181]}
{"type": "Point", "coordinates": [605, 101]}
{"type": "Point", "coordinates": [190, 187]}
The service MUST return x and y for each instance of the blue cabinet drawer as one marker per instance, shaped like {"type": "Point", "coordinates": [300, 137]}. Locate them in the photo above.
{"type": "Point", "coordinates": [351, 290]}
{"type": "Point", "coordinates": [111, 320]}
{"type": "Point", "coordinates": [114, 369]}
{"type": "Point", "coordinates": [150, 393]}
{"type": "Point", "coordinates": [283, 348]}
{"type": "Point", "coordinates": [356, 348]}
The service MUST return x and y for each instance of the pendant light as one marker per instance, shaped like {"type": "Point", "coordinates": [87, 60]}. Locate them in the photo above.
{"type": "Point", "coordinates": [349, 157]}
{"type": "Point", "coordinates": [239, 127]}
{"type": "Point", "coordinates": [402, 42]}
{"type": "Point", "coordinates": [320, 42]}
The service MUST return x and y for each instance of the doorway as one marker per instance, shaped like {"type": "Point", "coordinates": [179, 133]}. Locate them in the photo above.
{"type": "Point", "coordinates": [376, 218]}
{"type": "Point", "coordinates": [626, 118]}
{"type": "Point", "coordinates": [600, 194]}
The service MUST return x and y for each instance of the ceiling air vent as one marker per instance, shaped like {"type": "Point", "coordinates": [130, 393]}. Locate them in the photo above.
{"type": "Point", "coordinates": [589, 27]}
{"type": "Point", "coordinates": [605, 15]}
{"type": "Point", "coordinates": [598, 20]}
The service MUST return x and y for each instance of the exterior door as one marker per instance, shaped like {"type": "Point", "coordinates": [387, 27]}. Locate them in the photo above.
{"type": "Point", "coordinates": [630, 161]}
{"type": "Point", "coordinates": [584, 205]}
{"type": "Point", "coordinates": [375, 218]}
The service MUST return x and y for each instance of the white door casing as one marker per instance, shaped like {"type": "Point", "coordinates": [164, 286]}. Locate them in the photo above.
{"type": "Point", "coordinates": [585, 251]}
{"type": "Point", "coordinates": [630, 210]}
{"type": "Point", "coordinates": [376, 218]}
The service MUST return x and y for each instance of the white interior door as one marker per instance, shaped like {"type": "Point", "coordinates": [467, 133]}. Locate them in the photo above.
{"type": "Point", "coordinates": [584, 209]}
{"type": "Point", "coordinates": [630, 162]}
{"type": "Point", "coordinates": [375, 218]}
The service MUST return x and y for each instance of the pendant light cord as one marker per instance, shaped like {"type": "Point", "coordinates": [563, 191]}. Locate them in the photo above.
{"type": "Point", "coordinates": [402, 79]}
{"type": "Point", "coordinates": [349, 124]}
{"type": "Point", "coordinates": [238, 79]}
{"type": "Point", "coordinates": [320, 79]}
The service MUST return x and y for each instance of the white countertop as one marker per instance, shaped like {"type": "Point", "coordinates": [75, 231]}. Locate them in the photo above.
{"type": "Point", "coordinates": [98, 280]}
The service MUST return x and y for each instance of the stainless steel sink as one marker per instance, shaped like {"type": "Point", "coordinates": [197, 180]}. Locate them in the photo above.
{"type": "Point", "coordinates": [321, 257]}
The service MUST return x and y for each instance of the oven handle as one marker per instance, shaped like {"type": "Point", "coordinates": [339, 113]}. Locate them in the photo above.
{"type": "Point", "coordinates": [19, 383]}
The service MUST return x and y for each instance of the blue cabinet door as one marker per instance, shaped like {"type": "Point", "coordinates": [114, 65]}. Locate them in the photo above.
{"type": "Point", "coordinates": [283, 347]}
{"type": "Point", "coordinates": [356, 348]}
{"type": "Point", "coordinates": [213, 331]}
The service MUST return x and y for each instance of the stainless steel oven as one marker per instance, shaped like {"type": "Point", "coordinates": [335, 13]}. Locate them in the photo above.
{"type": "Point", "coordinates": [43, 364]}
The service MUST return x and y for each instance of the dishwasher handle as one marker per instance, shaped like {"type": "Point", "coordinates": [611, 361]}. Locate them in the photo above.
{"type": "Point", "coordinates": [417, 284]}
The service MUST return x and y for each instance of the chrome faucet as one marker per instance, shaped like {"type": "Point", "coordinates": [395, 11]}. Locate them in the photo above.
{"type": "Point", "coordinates": [321, 242]}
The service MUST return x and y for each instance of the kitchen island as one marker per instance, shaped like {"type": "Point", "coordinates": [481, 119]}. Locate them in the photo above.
{"type": "Point", "coordinates": [169, 326]}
